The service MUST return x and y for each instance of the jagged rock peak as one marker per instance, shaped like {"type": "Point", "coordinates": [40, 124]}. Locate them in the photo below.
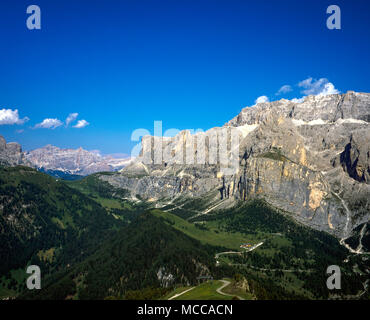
{"type": "Point", "coordinates": [11, 153]}
{"type": "Point", "coordinates": [331, 108]}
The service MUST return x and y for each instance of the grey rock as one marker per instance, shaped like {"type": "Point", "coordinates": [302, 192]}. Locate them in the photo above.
{"type": "Point", "coordinates": [73, 161]}
{"type": "Point", "coordinates": [309, 159]}
{"type": "Point", "coordinates": [355, 159]}
{"type": "Point", "coordinates": [11, 154]}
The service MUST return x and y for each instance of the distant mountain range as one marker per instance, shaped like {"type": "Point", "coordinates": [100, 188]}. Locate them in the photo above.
{"type": "Point", "coordinates": [62, 163]}
{"type": "Point", "coordinates": [73, 161]}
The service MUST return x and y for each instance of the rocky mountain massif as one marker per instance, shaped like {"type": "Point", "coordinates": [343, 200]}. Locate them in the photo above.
{"type": "Point", "coordinates": [310, 159]}
{"type": "Point", "coordinates": [73, 161]}
{"type": "Point", "coordinates": [63, 161]}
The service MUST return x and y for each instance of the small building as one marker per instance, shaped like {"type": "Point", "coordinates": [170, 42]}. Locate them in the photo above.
{"type": "Point", "coordinates": [204, 278]}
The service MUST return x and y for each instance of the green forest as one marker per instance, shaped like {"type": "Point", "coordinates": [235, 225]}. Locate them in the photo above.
{"type": "Point", "coordinates": [92, 242]}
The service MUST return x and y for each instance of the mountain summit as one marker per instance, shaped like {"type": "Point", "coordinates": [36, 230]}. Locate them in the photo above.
{"type": "Point", "coordinates": [310, 159]}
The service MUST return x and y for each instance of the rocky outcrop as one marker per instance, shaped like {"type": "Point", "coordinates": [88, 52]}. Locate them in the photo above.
{"type": "Point", "coordinates": [11, 153]}
{"type": "Point", "coordinates": [310, 159]}
{"type": "Point", "coordinates": [355, 158]}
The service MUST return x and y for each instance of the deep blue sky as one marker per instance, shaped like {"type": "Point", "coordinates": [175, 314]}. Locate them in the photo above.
{"type": "Point", "coordinates": [192, 64]}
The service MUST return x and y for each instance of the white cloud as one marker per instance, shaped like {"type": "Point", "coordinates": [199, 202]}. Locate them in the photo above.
{"type": "Point", "coordinates": [71, 117]}
{"type": "Point", "coordinates": [9, 116]}
{"type": "Point", "coordinates": [81, 124]}
{"type": "Point", "coordinates": [262, 99]}
{"type": "Point", "coordinates": [296, 100]}
{"type": "Point", "coordinates": [49, 124]}
{"type": "Point", "coordinates": [284, 89]}
{"type": "Point", "coordinates": [321, 87]}
{"type": "Point", "coordinates": [328, 89]}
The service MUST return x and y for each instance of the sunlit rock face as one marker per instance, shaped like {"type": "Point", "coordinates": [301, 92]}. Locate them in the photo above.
{"type": "Point", "coordinates": [11, 153]}
{"type": "Point", "coordinates": [310, 159]}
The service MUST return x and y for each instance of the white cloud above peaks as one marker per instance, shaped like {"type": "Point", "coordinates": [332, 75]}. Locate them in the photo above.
{"type": "Point", "coordinates": [49, 124]}
{"type": "Point", "coordinates": [81, 124]}
{"type": "Point", "coordinates": [321, 87]}
{"type": "Point", "coordinates": [262, 99]}
{"type": "Point", "coordinates": [284, 89]}
{"type": "Point", "coordinates": [9, 116]}
{"type": "Point", "coordinates": [71, 118]}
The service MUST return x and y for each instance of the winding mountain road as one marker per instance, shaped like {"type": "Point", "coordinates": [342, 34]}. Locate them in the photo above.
{"type": "Point", "coordinates": [225, 284]}
{"type": "Point", "coordinates": [181, 293]}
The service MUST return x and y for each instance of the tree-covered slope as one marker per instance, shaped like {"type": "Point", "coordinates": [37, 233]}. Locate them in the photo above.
{"type": "Point", "coordinates": [146, 254]}
{"type": "Point", "coordinates": [45, 222]}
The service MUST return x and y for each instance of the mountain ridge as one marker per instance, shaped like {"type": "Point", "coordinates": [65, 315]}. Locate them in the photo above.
{"type": "Point", "coordinates": [308, 158]}
{"type": "Point", "coordinates": [60, 162]}
{"type": "Point", "coordinates": [73, 161]}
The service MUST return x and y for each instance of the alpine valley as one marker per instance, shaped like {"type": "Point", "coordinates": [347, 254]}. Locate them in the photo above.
{"type": "Point", "coordinates": [297, 202]}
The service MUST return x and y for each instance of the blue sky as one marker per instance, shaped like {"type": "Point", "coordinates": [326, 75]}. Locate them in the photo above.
{"type": "Point", "coordinates": [121, 65]}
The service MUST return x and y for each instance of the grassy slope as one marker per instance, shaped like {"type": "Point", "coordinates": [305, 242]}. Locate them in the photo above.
{"type": "Point", "coordinates": [114, 200]}
{"type": "Point", "coordinates": [174, 291]}
{"type": "Point", "coordinates": [236, 290]}
{"type": "Point", "coordinates": [212, 235]}
{"type": "Point", "coordinates": [205, 291]}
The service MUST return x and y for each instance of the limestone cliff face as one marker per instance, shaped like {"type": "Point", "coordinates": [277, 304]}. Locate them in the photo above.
{"type": "Point", "coordinates": [278, 166]}
{"type": "Point", "coordinates": [310, 159]}
{"type": "Point", "coordinates": [355, 158]}
{"type": "Point", "coordinates": [291, 187]}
